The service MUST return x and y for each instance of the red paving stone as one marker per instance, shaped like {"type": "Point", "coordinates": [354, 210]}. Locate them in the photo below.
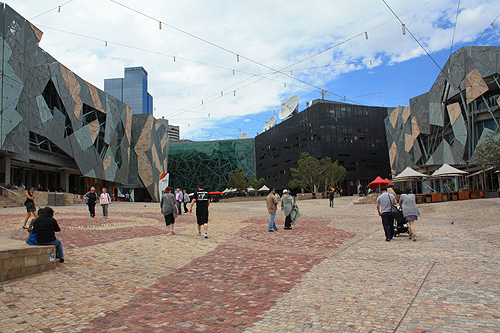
{"type": "Point", "coordinates": [229, 287]}
{"type": "Point", "coordinates": [83, 231]}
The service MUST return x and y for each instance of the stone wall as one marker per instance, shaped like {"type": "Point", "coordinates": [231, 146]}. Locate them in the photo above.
{"type": "Point", "coordinates": [18, 259]}
{"type": "Point", "coordinates": [41, 198]}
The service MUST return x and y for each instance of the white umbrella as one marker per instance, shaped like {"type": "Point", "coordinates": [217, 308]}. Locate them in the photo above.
{"type": "Point", "coordinates": [446, 171]}
{"type": "Point", "coordinates": [408, 175]}
{"type": "Point", "coordinates": [250, 189]}
{"type": "Point", "coordinates": [264, 188]}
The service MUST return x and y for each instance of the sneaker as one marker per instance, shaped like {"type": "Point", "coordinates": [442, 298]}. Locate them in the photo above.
{"type": "Point", "coordinates": [199, 233]}
{"type": "Point", "coordinates": [61, 260]}
{"type": "Point", "coordinates": [206, 235]}
{"type": "Point", "coordinates": [271, 230]}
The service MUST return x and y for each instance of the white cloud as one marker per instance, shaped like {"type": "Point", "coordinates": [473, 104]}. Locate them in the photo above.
{"type": "Point", "coordinates": [274, 33]}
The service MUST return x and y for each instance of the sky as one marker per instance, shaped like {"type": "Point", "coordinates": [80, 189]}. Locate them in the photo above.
{"type": "Point", "coordinates": [219, 69]}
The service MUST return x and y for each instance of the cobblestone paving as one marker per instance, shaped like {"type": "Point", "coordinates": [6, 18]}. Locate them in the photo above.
{"type": "Point", "coordinates": [332, 273]}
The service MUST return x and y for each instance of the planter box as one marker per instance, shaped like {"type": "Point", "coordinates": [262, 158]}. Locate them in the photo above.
{"type": "Point", "coordinates": [437, 197]}
{"type": "Point", "coordinates": [463, 194]}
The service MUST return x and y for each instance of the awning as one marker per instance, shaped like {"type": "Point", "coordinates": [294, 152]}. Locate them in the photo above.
{"type": "Point", "coordinates": [408, 175]}
{"type": "Point", "coordinates": [480, 171]}
{"type": "Point", "coordinates": [446, 171]}
{"type": "Point", "coordinates": [264, 188]}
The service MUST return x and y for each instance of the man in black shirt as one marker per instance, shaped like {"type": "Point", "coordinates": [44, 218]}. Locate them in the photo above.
{"type": "Point", "coordinates": [45, 228]}
{"type": "Point", "coordinates": [202, 200]}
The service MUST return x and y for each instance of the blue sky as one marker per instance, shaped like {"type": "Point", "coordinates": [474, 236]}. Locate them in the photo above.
{"type": "Point", "coordinates": [387, 69]}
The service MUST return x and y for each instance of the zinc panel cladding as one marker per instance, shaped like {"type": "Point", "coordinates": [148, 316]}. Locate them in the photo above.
{"type": "Point", "coordinates": [48, 99]}
{"type": "Point", "coordinates": [352, 134]}
{"type": "Point", "coordinates": [209, 162]}
{"type": "Point", "coordinates": [467, 78]}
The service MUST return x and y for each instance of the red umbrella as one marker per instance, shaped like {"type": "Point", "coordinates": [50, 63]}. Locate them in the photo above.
{"type": "Point", "coordinates": [389, 184]}
{"type": "Point", "coordinates": [378, 182]}
{"type": "Point", "coordinates": [216, 192]}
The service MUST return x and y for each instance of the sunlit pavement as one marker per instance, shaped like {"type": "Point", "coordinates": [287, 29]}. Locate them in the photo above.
{"type": "Point", "coordinates": [333, 272]}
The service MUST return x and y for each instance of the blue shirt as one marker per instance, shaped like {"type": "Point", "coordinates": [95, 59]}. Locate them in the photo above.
{"type": "Point", "coordinates": [385, 200]}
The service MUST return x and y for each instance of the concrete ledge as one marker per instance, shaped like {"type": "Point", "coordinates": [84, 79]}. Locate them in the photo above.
{"type": "Point", "coordinates": [18, 259]}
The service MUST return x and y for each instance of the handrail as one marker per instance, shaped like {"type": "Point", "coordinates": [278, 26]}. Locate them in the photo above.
{"type": "Point", "coordinates": [8, 190]}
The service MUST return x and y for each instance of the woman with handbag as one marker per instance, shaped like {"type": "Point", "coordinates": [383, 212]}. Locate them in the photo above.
{"type": "Point", "coordinates": [105, 201]}
{"type": "Point", "coordinates": [410, 212]}
{"type": "Point", "coordinates": [169, 210]}
{"type": "Point", "coordinates": [30, 205]}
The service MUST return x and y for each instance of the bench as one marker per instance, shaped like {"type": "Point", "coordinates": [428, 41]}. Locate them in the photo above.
{"type": "Point", "coordinates": [18, 259]}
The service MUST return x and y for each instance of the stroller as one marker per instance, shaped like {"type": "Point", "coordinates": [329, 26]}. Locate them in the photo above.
{"type": "Point", "coordinates": [400, 224]}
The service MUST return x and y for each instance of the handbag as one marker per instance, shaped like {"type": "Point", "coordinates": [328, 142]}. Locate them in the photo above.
{"type": "Point", "coordinates": [31, 239]}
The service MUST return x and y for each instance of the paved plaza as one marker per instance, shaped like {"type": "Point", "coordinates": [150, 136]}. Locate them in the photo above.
{"type": "Point", "coordinates": [333, 272]}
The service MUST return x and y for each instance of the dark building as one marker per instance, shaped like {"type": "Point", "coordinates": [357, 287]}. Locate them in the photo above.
{"type": "Point", "coordinates": [352, 134]}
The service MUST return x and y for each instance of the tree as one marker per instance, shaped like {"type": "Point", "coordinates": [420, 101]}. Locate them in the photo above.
{"type": "Point", "coordinates": [307, 174]}
{"type": "Point", "coordinates": [488, 152]}
{"type": "Point", "coordinates": [238, 180]}
{"type": "Point", "coordinates": [332, 172]}
{"type": "Point", "coordinates": [312, 173]}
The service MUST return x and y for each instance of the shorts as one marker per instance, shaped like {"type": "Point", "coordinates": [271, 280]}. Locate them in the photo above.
{"type": "Point", "coordinates": [169, 219]}
{"type": "Point", "coordinates": [411, 218]}
{"type": "Point", "coordinates": [201, 218]}
{"type": "Point", "coordinates": [30, 207]}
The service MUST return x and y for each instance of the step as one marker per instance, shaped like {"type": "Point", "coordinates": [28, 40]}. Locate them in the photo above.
{"type": "Point", "coordinates": [18, 259]}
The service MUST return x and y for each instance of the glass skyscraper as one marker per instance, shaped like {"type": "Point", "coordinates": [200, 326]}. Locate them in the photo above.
{"type": "Point", "coordinates": [132, 90]}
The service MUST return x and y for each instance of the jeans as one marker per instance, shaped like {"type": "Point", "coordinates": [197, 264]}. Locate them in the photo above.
{"type": "Point", "coordinates": [91, 209]}
{"type": "Point", "coordinates": [185, 207]}
{"type": "Point", "coordinates": [179, 203]}
{"type": "Point", "coordinates": [105, 210]}
{"type": "Point", "coordinates": [331, 200]}
{"type": "Point", "coordinates": [58, 245]}
{"type": "Point", "coordinates": [272, 224]}
{"type": "Point", "coordinates": [388, 223]}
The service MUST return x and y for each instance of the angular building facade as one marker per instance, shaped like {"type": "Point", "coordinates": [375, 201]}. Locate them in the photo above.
{"type": "Point", "coordinates": [209, 162]}
{"type": "Point", "coordinates": [352, 134]}
{"type": "Point", "coordinates": [446, 124]}
{"type": "Point", "coordinates": [60, 132]}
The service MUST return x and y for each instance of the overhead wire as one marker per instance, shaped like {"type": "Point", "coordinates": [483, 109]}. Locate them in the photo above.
{"type": "Point", "coordinates": [454, 28]}
{"type": "Point", "coordinates": [487, 28]}
{"type": "Point", "coordinates": [48, 11]}
{"type": "Point", "coordinates": [413, 36]}
{"type": "Point", "coordinates": [316, 54]}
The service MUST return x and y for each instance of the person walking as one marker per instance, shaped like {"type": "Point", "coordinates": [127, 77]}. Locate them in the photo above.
{"type": "Point", "coordinates": [105, 201]}
{"type": "Point", "coordinates": [30, 205]}
{"type": "Point", "coordinates": [186, 200]}
{"type": "Point", "coordinates": [410, 212]}
{"type": "Point", "coordinates": [331, 197]}
{"type": "Point", "coordinates": [287, 202]}
{"type": "Point", "coordinates": [272, 206]}
{"type": "Point", "coordinates": [202, 200]}
{"type": "Point", "coordinates": [169, 210]}
{"type": "Point", "coordinates": [384, 205]}
{"type": "Point", "coordinates": [45, 227]}
{"type": "Point", "coordinates": [91, 197]}
{"type": "Point", "coordinates": [178, 198]}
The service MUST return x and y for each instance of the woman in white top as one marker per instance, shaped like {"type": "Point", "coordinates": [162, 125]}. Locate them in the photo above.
{"type": "Point", "coordinates": [104, 200]}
